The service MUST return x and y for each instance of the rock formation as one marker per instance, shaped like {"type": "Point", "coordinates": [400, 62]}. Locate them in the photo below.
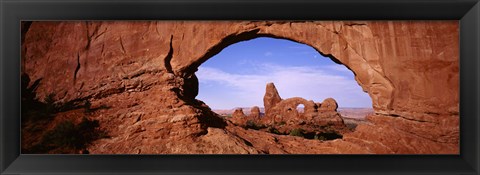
{"type": "Point", "coordinates": [271, 97]}
{"type": "Point", "coordinates": [238, 113]}
{"type": "Point", "coordinates": [238, 117]}
{"type": "Point", "coordinates": [284, 116]}
{"type": "Point", "coordinates": [255, 113]}
{"type": "Point", "coordinates": [144, 73]}
{"type": "Point", "coordinates": [328, 104]}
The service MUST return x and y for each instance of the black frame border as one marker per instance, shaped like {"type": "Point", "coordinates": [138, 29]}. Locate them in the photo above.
{"type": "Point", "coordinates": [14, 11]}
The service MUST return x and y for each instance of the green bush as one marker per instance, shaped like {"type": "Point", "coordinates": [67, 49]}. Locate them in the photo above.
{"type": "Point", "coordinates": [252, 125]}
{"type": "Point", "coordinates": [274, 131]}
{"type": "Point", "coordinates": [297, 132]}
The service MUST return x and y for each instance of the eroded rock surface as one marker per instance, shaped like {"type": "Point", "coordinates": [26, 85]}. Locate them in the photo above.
{"type": "Point", "coordinates": [284, 116]}
{"type": "Point", "coordinates": [255, 113]}
{"type": "Point", "coordinates": [271, 97]}
{"type": "Point", "coordinates": [238, 117]}
{"type": "Point", "coordinates": [142, 73]}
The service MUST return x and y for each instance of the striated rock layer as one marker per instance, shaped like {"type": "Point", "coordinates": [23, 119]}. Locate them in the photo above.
{"type": "Point", "coordinates": [144, 72]}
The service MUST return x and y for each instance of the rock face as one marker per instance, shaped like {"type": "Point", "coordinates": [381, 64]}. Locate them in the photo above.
{"type": "Point", "coordinates": [328, 104]}
{"type": "Point", "coordinates": [255, 114]}
{"type": "Point", "coordinates": [238, 113]}
{"type": "Point", "coordinates": [144, 72]}
{"type": "Point", "coordinates": [314, 117]}
{"type": "Point", "coordinates": [271, 97]}
{"type": "Point", "coordinates": [238, 117]}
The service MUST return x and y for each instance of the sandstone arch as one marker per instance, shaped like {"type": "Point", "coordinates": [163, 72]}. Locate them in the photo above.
{"type": "Point", "coordinates": [288, 107]}
{"type": "Point", "coordinates": [382, 63]}
{"type": "Point", "coordinates": [369, 76]}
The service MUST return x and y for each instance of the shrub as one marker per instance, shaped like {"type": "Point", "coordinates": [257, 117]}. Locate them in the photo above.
{"type": "Point", "coordinates": [68, 136]}
{"type": "Point", "coordinates": [319, 137]}
{"type": "Point", "coordinates": [328, 136]}
{"type": "Point", "coordinates": [252, 125]}
{"type": "Point", "coordinates": [50, 106]}
{"type": "Point", "coordinates": [297, 132]}
{"type": "Point", "coordinates": [49, 99]}
{"type": "Point", "coordinates": [274, 131]}
{"type": "Point", "coordinates": [351, 126]}
{"type": "Point", "coordinates": [62, 135]}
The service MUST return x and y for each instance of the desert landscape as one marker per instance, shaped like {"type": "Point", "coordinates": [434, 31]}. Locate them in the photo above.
{"type": "Point", "coordinates": [351, 116]}
{"type": "Point", "coordinates": [130, 87]}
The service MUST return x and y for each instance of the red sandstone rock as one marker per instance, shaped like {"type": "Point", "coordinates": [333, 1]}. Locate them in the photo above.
{"type": "Point", "coordinates": [144, 72]}
{"type": "Point", "coordinates": [238, 117]}
{"type": "Point", "coordinates": [255, 112]}
{"type": "Point", "coordinates": [328, 104]}
{"type": "Point", "coordinates": [284, 116]}
{"type": "Point", "coordinates": [271, 97]}
{"type": "Point", "coordinates": [238, 113]}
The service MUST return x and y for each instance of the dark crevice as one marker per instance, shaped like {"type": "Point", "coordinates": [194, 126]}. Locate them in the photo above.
{"type": "Point", "coordinates": [246, 142]}
{"type": "Point", "coordinates": [169, 56]}
{"type": "Point", "coordinates": [123, 47]}
{"type": "Point", "coordinates": [103, 48]}
{"type": "Point", "coordinates": [76, 69]}
{"type": "Point", "coordinates": [432, 113]}
{"type": "Point", "coordinates": [393, 115]}
{"type": "Point", "coordinates": [100, 34]}
{"type": "Point", "coordinates": [90, 36]}
{"type": "Point", "coordinates": [322, 136]}
{"type": "Point", "coordinates": [355, 24]}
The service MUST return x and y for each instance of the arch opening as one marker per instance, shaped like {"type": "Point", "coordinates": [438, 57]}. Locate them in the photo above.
{"type": "Point", "coordinates": [241, 70]}
{"type": "Point", "coordinates": [300, 108]}
{"type": "Point", "coordinates": [236, 78]}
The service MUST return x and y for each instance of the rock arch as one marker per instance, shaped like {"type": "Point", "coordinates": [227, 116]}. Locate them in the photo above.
{"type": "Point", "coordinates": [384, 56]}
{"type": "Point", "coordinates": [328, 42]}
{"type": "Point", "coordinates": [288, 107]}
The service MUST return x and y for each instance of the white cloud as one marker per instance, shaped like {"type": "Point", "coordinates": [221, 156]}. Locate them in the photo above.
{"type": "Point", "coordinates": [311, 83]}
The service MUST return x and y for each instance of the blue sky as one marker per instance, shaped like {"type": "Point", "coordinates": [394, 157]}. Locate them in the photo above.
{"type": "Point", "coordinates": [237, 76]}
